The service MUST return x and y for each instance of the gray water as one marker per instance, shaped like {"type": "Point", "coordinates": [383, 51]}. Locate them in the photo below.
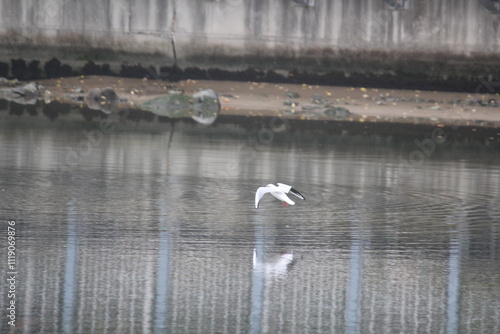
{"type": "Point", "coordinates": [153, 229]}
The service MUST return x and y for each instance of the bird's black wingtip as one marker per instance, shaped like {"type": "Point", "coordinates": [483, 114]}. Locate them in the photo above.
{"type": "Point", "coordinates": [296, 193]}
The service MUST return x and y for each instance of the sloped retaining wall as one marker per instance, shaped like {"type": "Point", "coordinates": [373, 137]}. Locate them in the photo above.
{"type": "Point", "coordinates": [436, 40]}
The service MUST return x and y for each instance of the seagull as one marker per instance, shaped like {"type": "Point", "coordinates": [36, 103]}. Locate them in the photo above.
{"type": "Point", "coordinates": [279, 192]}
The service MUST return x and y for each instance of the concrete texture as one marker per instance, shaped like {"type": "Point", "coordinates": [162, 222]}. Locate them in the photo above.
{"type": "Point", "coordinates": [438, 37]}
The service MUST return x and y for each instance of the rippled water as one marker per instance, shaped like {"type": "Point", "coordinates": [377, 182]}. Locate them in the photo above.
{"type": "Point", "coordinates": [153, 229]}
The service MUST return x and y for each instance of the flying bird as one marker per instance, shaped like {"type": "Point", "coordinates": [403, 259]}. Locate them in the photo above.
{"type": "Point", "coordinates": [279, 192]}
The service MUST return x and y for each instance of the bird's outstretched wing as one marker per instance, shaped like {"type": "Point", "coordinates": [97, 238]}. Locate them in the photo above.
{"type": "Point", "coordinates": [258, 195]}
{"type": "Point", "coordinates": [286, 189]}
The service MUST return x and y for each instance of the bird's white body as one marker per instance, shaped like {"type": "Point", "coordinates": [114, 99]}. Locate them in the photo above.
{"type": "Point", "coordinates": [278, 191]}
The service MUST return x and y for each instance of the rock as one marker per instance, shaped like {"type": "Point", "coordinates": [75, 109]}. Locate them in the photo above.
{"type": "Point", "coordinates": [293, 95]}
{"type": "Point", "coordinates": [27, 94]}
{"type": "Point", "coordinates": [337, 113]}
{"type": "Point", "coordinates": [93, 98]}
{"type": "Point", "coordinates": [319, 99]}
{"type": "Point", "coordinates": [202, 106]}
{"type": "Point", "coordinates": [172, 105]}
{"type": "Point", "coordinates": [77, 98]}
{"type": "Point", "coordinates": [77, 90]}
{"type": "Point", "coordinates": [104, 99]}
{"type": "Point", "coordinates": [206, 96]}
{"type": "Point", "coordinates": [311, 107]}
{"type": "Point", "coordinates": [290, 103]}
{"type": "Point", "coordinates": [48, 97]}
{"type": "Point", "coordinates": [206, 106]}
{"type": "Point", "coordinates": [108, 94]}
{"type": "Point", "coordinates": [489, 103]}
{"type": "Point", "coordinates": [30, 90]}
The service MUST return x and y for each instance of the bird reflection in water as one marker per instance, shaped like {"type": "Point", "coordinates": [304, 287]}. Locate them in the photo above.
{"type": "Point", "coordinates": [277, 267]}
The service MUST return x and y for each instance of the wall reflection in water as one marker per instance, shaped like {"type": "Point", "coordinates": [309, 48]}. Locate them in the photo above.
{"type": "Point", "coordinates": [157, 240]}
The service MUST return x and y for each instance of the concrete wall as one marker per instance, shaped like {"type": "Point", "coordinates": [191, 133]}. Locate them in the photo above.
{"type": "Point", "coordinates": [271, 33]}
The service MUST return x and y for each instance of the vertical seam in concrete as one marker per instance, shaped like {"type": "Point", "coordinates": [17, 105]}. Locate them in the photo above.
{"type": "Point", "coordinates": [172, 31]}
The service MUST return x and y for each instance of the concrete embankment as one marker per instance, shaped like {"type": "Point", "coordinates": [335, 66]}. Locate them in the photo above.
{"type": "Point", "coordinates": [432, 45]}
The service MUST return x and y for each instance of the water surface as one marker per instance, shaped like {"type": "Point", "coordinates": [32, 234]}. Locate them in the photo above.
{"type": "Point", "coordinates": [153, 229]}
